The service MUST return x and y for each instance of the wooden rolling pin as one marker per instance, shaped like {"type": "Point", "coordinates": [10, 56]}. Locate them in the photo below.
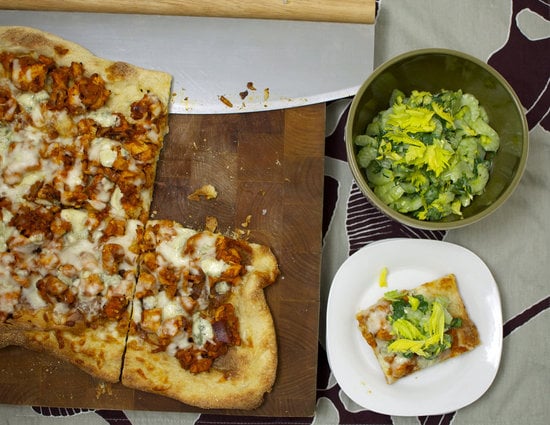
{"type": "Point", "coordinates": [344, 11]}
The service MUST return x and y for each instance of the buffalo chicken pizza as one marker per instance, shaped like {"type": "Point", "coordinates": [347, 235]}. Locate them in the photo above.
{"type": "Point", "coordinates": [84, 274]}
{"type": "Point", "coordinates": [199, 304]}
{"type": "Point", "coordinates": [410, 330]}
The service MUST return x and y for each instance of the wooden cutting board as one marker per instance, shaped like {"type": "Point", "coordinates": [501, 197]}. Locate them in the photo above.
{"type": "Point", "coordinates": [268, 170]}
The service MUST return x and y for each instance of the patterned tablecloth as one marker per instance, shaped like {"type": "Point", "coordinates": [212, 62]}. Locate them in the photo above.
{"type": "Point", "coordinates": [514, 37]}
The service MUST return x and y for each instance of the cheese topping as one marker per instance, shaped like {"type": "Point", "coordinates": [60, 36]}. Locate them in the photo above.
{"type": "Point", "coordinates": [202, 330]}
{"type": "Point", "coordinates": [182, 298]}
{"type": "Point", "coordinates": [171, 250]}
{"type": "Point", "coordinates": [104, 151]}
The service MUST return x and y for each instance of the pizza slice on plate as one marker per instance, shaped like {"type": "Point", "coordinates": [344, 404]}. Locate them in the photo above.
{"type": "Point", "coordinates": [410, 330]}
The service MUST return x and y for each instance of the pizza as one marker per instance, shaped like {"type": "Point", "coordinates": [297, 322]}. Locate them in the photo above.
{"type": "Point", "coordinates": [411, 330]}
{"type": "Point", "coordinates": [199, 306]}
{"type": "Point", "coordinates": [85, 273]}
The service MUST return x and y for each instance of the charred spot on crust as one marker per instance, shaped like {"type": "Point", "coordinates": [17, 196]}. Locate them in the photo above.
{"type": "Point", "coordinates": [24, 38]}
{"type": "Point", "coordinates": [120, 71]}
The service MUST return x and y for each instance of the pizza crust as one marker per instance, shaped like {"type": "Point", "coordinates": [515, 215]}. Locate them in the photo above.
{"type": "Point", "coordinates": [237, 380]}
{"type": "Point", "coordinates": [99, 354]}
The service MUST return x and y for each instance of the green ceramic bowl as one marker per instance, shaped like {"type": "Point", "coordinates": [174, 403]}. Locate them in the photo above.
{"type": "Point", "coordinates": [433, 70]}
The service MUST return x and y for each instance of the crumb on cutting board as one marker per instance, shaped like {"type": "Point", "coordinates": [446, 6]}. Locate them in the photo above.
{"type": "Point", "coordinates": [207, 191]}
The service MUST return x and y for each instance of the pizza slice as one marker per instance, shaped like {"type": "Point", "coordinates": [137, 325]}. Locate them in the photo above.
{"type": "Point", "coordinates": [201, 330]}
{"type": "Point", "coordinates": [78, 131]}
{"type": "Point", "coordinates": [75, 302]}
{"type": "Point", "coordinates": [80, 138]}
{"type": "Point", "coordinates": [97, 351]}
{"type": "Point", "coordinates": [82, 276]}
{"type": "Point", "coordinates": [410, 330]}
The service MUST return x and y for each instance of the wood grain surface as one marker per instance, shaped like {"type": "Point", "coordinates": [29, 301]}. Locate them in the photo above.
{"type": "Point", "coordinates": [350, 11]}
{"type": "Point", "coordinates": [268, 170]}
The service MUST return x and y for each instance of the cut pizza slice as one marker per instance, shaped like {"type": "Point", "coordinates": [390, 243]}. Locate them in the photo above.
{"type": "Point", "coordinates": [78, 131]}
{"type": "Point", "coordinates": [201, 330]}
{"type": "Point", "coordinates": [80, 137]}
{"type": "Point", "coordinates": [410, 330]}
{"type": "Point", "coordinates": [84, 274]}
{"type": "Point", "coordinates": [76, 304]}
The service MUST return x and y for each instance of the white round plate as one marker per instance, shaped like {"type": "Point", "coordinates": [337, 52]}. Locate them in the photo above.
{"type": "Point", "coordinates": [439, 389]}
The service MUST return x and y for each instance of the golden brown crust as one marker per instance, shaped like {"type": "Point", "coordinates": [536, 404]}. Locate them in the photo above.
{"type": "Point", "coordinates": [97, 352]}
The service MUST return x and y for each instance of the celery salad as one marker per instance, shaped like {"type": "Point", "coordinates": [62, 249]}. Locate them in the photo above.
{"type": "Point", "coordinates": [428, 155]}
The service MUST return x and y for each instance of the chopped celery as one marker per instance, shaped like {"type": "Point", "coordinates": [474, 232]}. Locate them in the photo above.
{"type": "Point", "coordinates": [426, 155]}
{"type": "Point", "coordinates": [418, 325]}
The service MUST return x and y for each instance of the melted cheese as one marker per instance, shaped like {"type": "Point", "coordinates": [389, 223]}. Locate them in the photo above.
{"type": "Point", "coordinates": [376, 320]}
{"type": "Point", "coordinates": [5, 233]}
{"type": "Point", "coordinates": [32, 297]}
{"type": "Point", "coordinates": [75, 253]}
{"type": "Point", "coordinates": [31, 103]}
{"type": "Point", "coordinates": [22, 157]}
{"type": "Point", "coordinates": [222, 288]}
{"type": "Point", "coordinates": [205, 246]}
{"type": "Point", "coordinates": [103, 151]}
{"type": "Point", "coordinates": [213, 267]}
{"type": "Point", "coordinates": [78, 219]}
{"type": "Point", "coordinates": [128, 239]}
{"type": "Point", "coordinates": [104, 117]}
{"type": "Point", "coordinates": [172, 250]}
{"type": "Point", "coordinates": [170, 307]}
{"type": "Point", "coordinates": [75, 176]}
{"type": "Point", "coordinates": [202, 330]}
{"type": "Point", "coordinates": [137, 311]}
{"type": "Point", "coordinates": [116, 203]}
{"type": "Point", "coordinates": [6, 135]}
{"type": "Point", "coordinates": [149, 302]}
{"type": "Point", "coordinates": [180, 342]}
